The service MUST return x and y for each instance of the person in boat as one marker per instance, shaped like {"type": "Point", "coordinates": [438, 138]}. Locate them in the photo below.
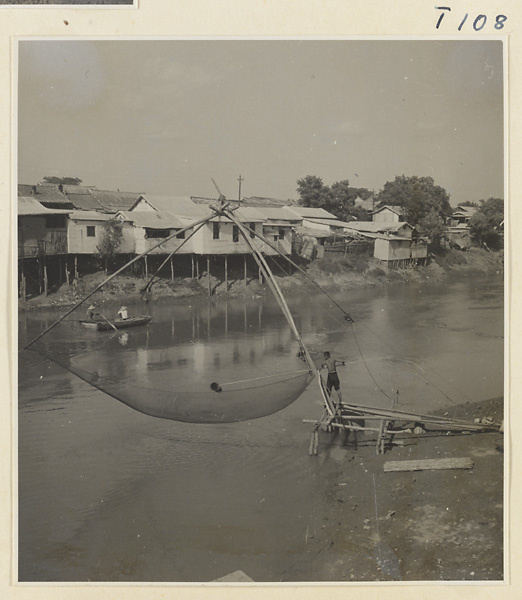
{"type": "Point", "coordinates": [89, 315]}
{"type": "Point", "coordinates": [122, 313]}
{"type": "Point", "coordinates": [333, 378]}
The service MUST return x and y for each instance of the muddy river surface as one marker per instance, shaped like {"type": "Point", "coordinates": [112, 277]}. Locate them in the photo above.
{"type": "Point", "coordinates": [107, 493]}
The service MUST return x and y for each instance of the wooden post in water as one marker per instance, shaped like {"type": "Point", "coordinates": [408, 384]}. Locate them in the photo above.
{"type": "Point", "coordinates": [208, 275]}
{"type": "Point", "coordinates": [172, 268]}
{"type": "Point", "coordinates": [226, 273]}
{"type": "Point", "coordinates": [46, 283]}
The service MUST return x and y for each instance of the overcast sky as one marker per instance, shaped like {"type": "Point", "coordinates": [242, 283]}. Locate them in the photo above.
{"type": "Point", "coordinates": [164, 117]}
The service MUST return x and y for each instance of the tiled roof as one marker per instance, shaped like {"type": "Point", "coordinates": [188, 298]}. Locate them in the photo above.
{"type": "Point", "coordinates": [115, 201]}
{"type": "Point", "coordinates": [311, 213]}
{"type": "Point", "coordinates": [376, 227]}
{"type": "Point", "coordinates": [150, 219]}
{"type": "Point", "coordinates": [30, 206]}
{"type": "Point", "coordinates": [89, 215]}
{"type": "Point", "coordinates": [259, 201]}
{"type": "Point", "coordinates": [25, 190]}
{"type": "Point", "coordinates": [396, 209]}
{"type": "Point", "coordinates": [84, 201]}
{"type": "Point", "coordinates": [273, 213]}
{"type": "Point", "coordinates": [50, 192]}
{"type": "Point", "coordinates": [181, 206]}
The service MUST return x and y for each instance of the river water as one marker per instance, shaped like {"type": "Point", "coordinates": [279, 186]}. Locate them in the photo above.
{"type": "Point", "coordinates": [107, 493]}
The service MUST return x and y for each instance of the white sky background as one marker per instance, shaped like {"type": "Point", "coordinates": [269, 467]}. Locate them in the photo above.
{"type": "Point", "coordinates": [164, 117]}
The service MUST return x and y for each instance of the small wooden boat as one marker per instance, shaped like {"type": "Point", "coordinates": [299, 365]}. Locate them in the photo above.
{"type": "Point", "coordinates": [118, 323]}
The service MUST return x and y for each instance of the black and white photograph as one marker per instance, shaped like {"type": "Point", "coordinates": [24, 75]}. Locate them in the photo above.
{"type": "Point", "coordinates": [260, 310]}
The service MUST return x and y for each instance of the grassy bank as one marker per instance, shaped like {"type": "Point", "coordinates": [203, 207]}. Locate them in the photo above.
{"type": "Point", "coordinates": [331, 274]}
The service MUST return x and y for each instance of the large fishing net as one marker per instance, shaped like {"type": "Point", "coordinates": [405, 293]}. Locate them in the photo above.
{"type": "Point", "coordinates": [175, 375]}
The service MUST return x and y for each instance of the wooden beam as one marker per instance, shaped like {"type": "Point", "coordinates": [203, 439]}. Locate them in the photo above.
{"type": "Point", "coordinates": [429, 464]}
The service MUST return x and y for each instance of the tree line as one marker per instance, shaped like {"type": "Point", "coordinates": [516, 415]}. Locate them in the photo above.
{"type": "Point", "coordinates": [425, 205]}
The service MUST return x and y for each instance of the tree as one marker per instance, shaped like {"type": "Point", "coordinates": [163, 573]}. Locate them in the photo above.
{"type": "Point", "coordinates": [485, 224]}
{"type": "Point", "coordinates": [339, 199]}
{"type": "Point", "coordinates": [425, 204]}
{"type": "Point", "coordinates": [62, 180]}
{"type": "Point", "coordinates": [111, 239]}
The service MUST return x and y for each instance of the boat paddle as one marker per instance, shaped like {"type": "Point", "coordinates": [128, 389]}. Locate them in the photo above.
{"type": "Point", "coordinates": [111, 324]}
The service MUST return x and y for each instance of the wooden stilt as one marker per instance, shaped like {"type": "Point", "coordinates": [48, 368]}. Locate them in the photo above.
{"type": "Point", "coordinates": [192, 257]}
{"type": "Point", "coordinates": [66, 270]}
{"type": "Point", "coordinates": [208, 275]}
{"type": "Point", "coordinates": [260, 275]}
{"type": "Point", "coordinates": [46, 283]}
{"type": "Point", "coordinates": [76, 274]}
{"type": "Point", "coordinates": [172, 269]}
{"type": "Point", "coordinates": [23, 286]}
{"type": "Point", "coordinates": [226, 273]}
{"type": "Point", "coordinates": [146, 267]}
{"type": "Point", "coordinates": [197, 268]}
{"type": "Point", "coordinates": [245, 268]}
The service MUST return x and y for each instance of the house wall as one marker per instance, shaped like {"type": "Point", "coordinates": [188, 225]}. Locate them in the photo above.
{"type": "Point", "coordinates": [31, 235]}
{"type": "Point", "coordinates": [386, 216]}
{"type": "Point", "coordinates": [271, 232]}
{"type": "Point", "coordinates": [80, 243]}
{"type": "Point", "coordinates": [205, 244]}
{"type": "Point", "coordinates": [144, 243]}
{"type": "Point", "coordinates": [311, 224]}
{"type": "Point", "coordinates": [392, 249]}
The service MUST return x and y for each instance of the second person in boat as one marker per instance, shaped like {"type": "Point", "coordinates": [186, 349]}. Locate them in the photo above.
{"type": "Point", "coordinates": [123, 314]}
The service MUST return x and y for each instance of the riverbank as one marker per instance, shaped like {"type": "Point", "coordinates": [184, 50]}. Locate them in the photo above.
{"type": "Point", "coordinates": [442, 525]}
{"type": "Point", "coordinates": [330, 274]}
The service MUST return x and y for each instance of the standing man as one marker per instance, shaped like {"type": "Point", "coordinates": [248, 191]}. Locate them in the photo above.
{"type": "Point", "coordinates": [333, 379]}
{"type": "Point", "coordinates": [122, 313]}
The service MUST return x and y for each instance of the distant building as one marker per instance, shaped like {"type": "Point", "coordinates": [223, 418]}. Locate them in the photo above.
{"type": "Point", "coordinates": [388, 214]}
{"type": "Point", "coordinates": [461, 215]}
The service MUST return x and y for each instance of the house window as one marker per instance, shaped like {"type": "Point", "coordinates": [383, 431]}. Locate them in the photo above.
{"type": "Point", "coordinates": [281, 233]}
{"type": "Point", "coordinates": [253, 228]}
{"type": "Point", "coordinates": [91, 231]}
{"type": "Point", "coordinates": [235, 233]}
{"type": "Point", "coordinates": [215, 231]}
{"type": "Point", "coordinates": [181, 235]}
{"type": "Point", "coordinates": [157, 233]}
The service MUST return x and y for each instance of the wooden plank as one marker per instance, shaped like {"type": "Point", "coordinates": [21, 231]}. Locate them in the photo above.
{"type": "Point", "coordinates": [429, 464]}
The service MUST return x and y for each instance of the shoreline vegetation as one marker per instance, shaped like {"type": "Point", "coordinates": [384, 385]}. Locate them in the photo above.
{"type": "Point", "coordinates": [355, 271]}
